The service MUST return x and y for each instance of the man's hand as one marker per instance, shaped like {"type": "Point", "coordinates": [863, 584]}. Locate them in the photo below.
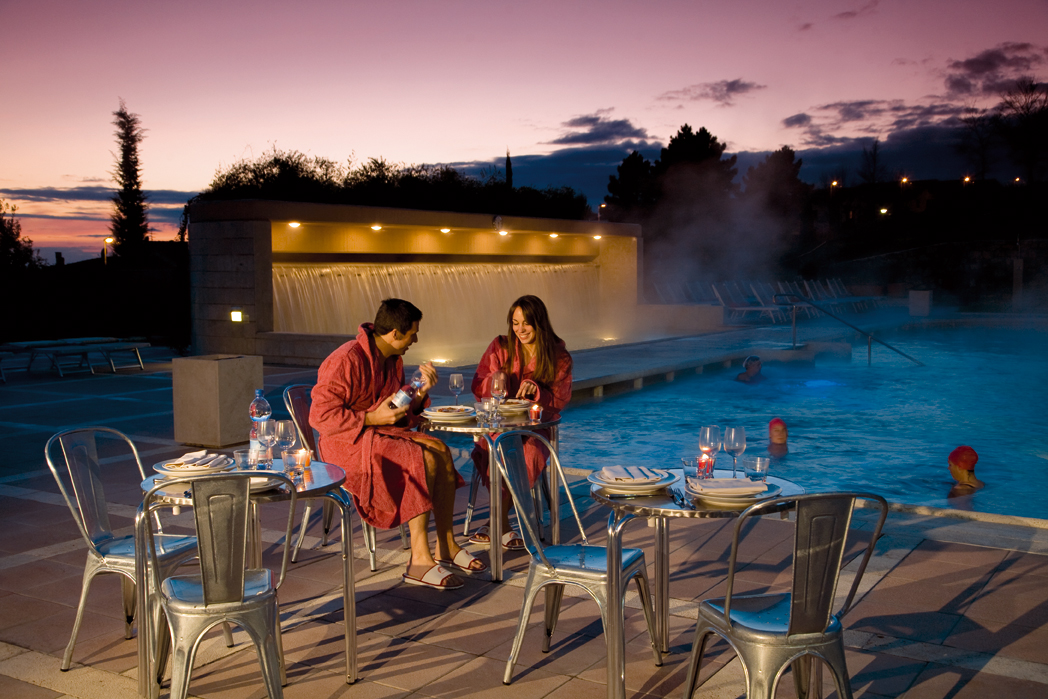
{"type": "Point", "coordinates": [429, 377]}
{"type": "Point", "coordinates": [385, 415]}
{"type": "Point", "coordinates": [527, 390]}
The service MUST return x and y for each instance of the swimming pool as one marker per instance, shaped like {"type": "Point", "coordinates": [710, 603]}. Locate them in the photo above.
{"type": "Point", "coordinates": [886, 428]}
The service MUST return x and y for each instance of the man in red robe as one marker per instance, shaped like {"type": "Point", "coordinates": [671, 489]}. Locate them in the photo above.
{"type": "Point", "coordinates": [395, 474]}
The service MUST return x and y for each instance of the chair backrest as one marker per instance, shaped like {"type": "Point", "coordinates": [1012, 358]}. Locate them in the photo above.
{"type": "Point", "coordinates": [221, 509]}
{"type": "Point", "coordinates": [298, 399]}
{"type": "Point", "coordinates": [77, 451]}
{"type": "Point", "coordinates": [509, 450]}
{"type": "Point", "coordinates": [823, 520]}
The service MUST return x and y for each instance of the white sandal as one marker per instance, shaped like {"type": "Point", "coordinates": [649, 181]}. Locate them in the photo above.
{"type": "Point", "coordinates": [434, 577]}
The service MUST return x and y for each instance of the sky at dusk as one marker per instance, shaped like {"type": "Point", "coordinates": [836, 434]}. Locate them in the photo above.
{"type": "Point", "coordinates": [568, 87]}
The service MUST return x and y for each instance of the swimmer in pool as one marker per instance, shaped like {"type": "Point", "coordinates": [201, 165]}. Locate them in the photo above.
{"type": "Point", "coordinates": [777, 436]}
{"type": "Point", "coordinates": [962, 462]}
{"type": "Point", "coordinates": [751, 370]}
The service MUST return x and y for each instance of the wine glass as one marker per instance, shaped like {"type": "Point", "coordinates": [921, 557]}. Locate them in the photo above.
{"type": "Point", "coordinates": [455, 385]}
{"type": "Point", "coordinates": [734, 444]}
{"type": "Point", "coordinates": [499, 388]}
{"type": "Point", "coordinates": [710, 441]}
{"type": "Point", "coordinates": [267, 438]}
{"type": "Point", "coordinates": [286, 435]}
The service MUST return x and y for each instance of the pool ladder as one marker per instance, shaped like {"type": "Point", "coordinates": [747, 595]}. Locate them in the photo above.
{"type": "Point", "coordinates": [794, 300]}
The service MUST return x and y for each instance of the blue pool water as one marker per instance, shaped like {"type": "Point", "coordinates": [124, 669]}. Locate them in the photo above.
{"type": "Point", "coordinates": [886, 428]}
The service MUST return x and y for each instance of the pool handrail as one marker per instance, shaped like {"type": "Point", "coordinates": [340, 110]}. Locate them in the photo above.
{"type": "Point", "coordinates": [870, 339]}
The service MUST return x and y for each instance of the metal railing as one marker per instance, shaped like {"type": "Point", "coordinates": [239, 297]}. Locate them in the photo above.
{"type": "Point", "coordinates": [791, 301]}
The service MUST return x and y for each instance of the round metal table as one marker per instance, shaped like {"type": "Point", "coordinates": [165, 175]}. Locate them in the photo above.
{"type": "Point", "coordinates": [669, 503]}
{"type": "Point", "coordinates": [485, 430]}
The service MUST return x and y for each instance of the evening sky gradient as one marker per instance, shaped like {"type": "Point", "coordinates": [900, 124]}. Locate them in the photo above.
{"type": "Point", "coordinates": [461, 81]}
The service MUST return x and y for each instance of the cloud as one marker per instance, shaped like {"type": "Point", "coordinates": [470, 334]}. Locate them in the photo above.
{"type": "Point", "coordinates": [866, 9]}
{"type": "Point", "coordinates": [993, 71]}
{"type": "Point", "coordinates": [597, 128]}
{"type": "Point", "coordinates": [722, 92]}
{"type": "Point", "coordinates": [91, 203]}
{"type": "Point", "coordinates": [805, 27]}
{"type": "Point", "coordinates": [801, 119]}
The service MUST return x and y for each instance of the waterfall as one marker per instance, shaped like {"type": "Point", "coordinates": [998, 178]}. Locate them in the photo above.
{"type": "Point", "coordinates": [463, 305]}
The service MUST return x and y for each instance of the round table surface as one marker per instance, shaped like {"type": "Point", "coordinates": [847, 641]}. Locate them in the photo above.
{"type": "Point", "coordinates": [318, 478]}
{"type": "Point", "coordinates": [510, 421]}
{"type": "Point", "coordinates": [675, 502]}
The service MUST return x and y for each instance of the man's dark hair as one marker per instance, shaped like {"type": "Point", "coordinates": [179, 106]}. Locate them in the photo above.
{"type": "Point", "coordinates": [396, 314]}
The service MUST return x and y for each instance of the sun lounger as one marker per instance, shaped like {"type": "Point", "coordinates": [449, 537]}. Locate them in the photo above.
{"type": "Point", "coordinates": [56, 353]}
{"type": "Point", "coordinates": [738, 310]}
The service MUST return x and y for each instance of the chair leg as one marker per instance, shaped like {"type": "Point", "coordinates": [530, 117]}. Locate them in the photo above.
{"type": "Point", "coordinates": [801, 671]}
{"type": "Point", "coordinates": [698, 649]}
{"type": "Point", "coordinates": [536, 497]}
{"type": "Point", "coordinates": [474, 486]}
{"type": "Point", "coordinates": [302, 530]}
{"type": "Point", "coordinates": [554, 596]}
{"type": "Point", "coordinates": [371, 543]}
{"type": "Point", "coordinates": [329, 513]}
{"type": "Point", "coordinates": [531, 591]}
{"type": "Point", "coordinates": [89, 573]}
{"type": "Point", "coordinates": [130, 597]}
{"type": "Point", "coordinates": [227, 634]}
{"type": "Point", "coordinates": [644, 590]}
{"type": "Point", "coordinates": [405, 540]}
{"type": "Point", "coordinates": [834, 657]}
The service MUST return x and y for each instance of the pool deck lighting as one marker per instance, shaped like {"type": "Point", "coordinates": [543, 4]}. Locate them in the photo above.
{"type": "Point", "coordinates": [596, 237]}
{"type": "Point", "coordinates": [376, 227]}
{"type": "Point", "coordinates": [503, 232]}
{"type": "Point", "coordinates": [294, 224]}
{"type": "Point", "coordinates": [554, 235]}
{"type": "Point", "coordinates": [445, 230]}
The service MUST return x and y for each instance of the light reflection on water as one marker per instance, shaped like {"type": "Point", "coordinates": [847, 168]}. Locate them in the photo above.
{"type": "Point", "coordinates": [886, 428]}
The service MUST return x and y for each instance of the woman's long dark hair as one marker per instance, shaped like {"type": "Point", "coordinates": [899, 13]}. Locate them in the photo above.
{"type": "Point", "coordinates": [546, 340]}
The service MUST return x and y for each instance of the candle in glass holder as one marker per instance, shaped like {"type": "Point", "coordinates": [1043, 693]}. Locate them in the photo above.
{"type": "Point", "coordinates": [535, 412]}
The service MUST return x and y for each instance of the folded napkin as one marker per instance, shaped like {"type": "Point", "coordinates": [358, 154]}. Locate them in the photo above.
{"type": "Point", "coordinates": [199, 459]}
{"type": "Point", "coordinates": [633, 474]}
{"type": "Point", "coordinates": [727, 486]}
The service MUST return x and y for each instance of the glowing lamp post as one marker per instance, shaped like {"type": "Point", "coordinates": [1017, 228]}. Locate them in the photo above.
{"type": "Point", "coordinates": [598, 210]}
{"type": "Point", "coordinates": [105, 249]}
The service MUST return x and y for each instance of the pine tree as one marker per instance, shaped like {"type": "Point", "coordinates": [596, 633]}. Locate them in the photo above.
{"type": "Point", "coordinates": [129, 224]}
{"type": "Point", "coordinates": [509, 172]}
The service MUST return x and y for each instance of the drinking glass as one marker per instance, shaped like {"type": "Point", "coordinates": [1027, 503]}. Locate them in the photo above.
{"type": "Point", "coordinates": [242, 460]}
{"type": "Point", "coordinates": [710, 440]}
{"type": "Point", "coordinates": [734, 444]}
{"type": "Point", "coordinates": [267, 438]}
{"type": "Point", "coordinates": [499, 386]}
{"type": "Point", "coordinates": [455, 385]}
{"type": "Point", "coordinates": [757, 468]}
{"type": "Point", "coordinates": [286, 434]}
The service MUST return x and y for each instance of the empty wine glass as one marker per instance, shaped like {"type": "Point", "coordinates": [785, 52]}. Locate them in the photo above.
{"type": "Point", "coordinates": [734, 444]}
{"type": "Point", "coordinates": [710, 441]}
{"type": "Point", "coordinates": [286, 434]}
{"type": "Point", "coordinates": [499, 386]}
{"type": "Point", "coordinates": [455, 385]}
{"type": "Point", "coordinates": [267, 438]}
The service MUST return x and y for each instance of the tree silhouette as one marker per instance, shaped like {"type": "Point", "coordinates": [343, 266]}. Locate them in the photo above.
{"type": "Point", "coordinates": [774, 184]}
{"type": "Point", "coordinates": [1023, 122]}
{"type": "Point", "coordinates": [16, 252]}
{"type": "Point", "coordinates": [129, 224]}
{"type": "Point", "coordinates": [632, 192]}
{"type": "Point", "coordinates": [871, 170]}
{"type": "Point", "coordinates": [691, 150]}
{"type": "Point", "coordinates": [509, 171]}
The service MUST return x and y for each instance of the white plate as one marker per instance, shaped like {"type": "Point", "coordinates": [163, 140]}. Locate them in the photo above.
{"type": "Point", "coordinates": [515, 405]}
{"type": "Point", "coordinates": [165, 469]}
{"type": "Point", "coordinates": [723, 500]}
{"type": "Point", "coordinates": [455, 410]}
{"type": "Point", "coordinates": [449, 417]}
{"type": "Point", "coordinates": [622, 487]}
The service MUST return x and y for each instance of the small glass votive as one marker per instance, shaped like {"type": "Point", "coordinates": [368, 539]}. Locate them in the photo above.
{"type": "Point", "coordinates": [535, 412]}
{"type": "Point", "coordinates": [295, 460]}
{"type": "Point", "coordinates": [757, 468]}
{"type": "Point", "coordinates": [241, 460]}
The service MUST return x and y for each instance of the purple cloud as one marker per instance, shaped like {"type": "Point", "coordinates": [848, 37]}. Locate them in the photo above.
{"type": "Point", "coordinates": [722, 92]}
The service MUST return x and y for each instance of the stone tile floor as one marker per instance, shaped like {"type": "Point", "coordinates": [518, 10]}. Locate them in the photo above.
{"type": "Point", "coordinates": [948, 608]}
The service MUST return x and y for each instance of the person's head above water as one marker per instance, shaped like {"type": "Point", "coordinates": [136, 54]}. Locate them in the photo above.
{"type": "Point", "coordinates": [777, 432]}
{"type": "Point", "coordinates": [751, 370]}
{"type": "Point", "coordinates": [962, 462]}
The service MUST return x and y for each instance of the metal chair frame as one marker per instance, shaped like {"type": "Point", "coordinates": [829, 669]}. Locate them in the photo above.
{"type": "Point", "coordinates": [224, 591]}
{"type": "Point", "coordinates": [553, 567]}
{"type": "Point", "coordinates": [106, 552]}
{"type": "Point", "coordinates": [293, 398]}
{"type": "Point", "coordinates": [541, 488]}
{"type": "Point", "coordinates": [771, 632]}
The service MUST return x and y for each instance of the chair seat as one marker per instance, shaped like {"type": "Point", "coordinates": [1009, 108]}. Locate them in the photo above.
{"type": "Point", "coordinates": [579, 559]}
{"type": "Point", "coordinates": [763, 619]}
{"type": "Point", "coordinates": [167, 546]}
{"type": "Point", "coordinates": [185, 593]}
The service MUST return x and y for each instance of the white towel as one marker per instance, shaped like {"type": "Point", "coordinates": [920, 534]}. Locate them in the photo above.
{"type": "Point", "coordinates": [632, 474]}
{"type": "Point", "coordinates": [727, 486]}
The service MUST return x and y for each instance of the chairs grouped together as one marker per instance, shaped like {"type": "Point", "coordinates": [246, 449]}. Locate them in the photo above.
{"type": "Point", "coordinates": [769, 632]}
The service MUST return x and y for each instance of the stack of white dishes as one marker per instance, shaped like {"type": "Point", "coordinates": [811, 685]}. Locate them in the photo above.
{"type": "Point", "coordinates": [632, 480]}
{"type": "Point", "coordinates": [515, 405]}
{"type": "Point", "coordinates": [730, 492]}
{"type": "Point", "coordinates": [449, 413]}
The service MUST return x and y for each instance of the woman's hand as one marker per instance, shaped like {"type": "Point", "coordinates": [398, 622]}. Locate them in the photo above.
{"type": "Point", "coordinates": [527, 390]}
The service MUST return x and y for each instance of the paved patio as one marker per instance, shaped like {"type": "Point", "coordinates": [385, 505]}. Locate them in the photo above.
{"type": "Point", "coordinates": [949, 608]}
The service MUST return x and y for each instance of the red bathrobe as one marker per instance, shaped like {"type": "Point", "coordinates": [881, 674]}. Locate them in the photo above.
{"type": "Point", "coordinates": [551, 396]}
{"type": "Point", "coordinates": [384, 467]}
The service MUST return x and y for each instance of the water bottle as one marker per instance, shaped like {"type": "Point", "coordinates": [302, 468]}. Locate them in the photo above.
{"type": "Point", "coordinates": [260, 410]}
{"type": "Point", "coordinates": [407, 393]}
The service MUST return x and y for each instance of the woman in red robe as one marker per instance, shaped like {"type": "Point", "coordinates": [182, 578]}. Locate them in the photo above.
{"type": "Point", "coordinates": [537, 367]}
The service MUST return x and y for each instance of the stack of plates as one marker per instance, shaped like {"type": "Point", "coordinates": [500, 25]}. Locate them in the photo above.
{"type": "Point", "coordinates": [195, 467]}
{"type": "Point", "coordinates": [628, 488]}
{"type": "Point", "coordinates": [515, 405]}
{"type": "Point", "coordinates": [450, 413]}
{"type": "Point", "coordinates": [730, 499]}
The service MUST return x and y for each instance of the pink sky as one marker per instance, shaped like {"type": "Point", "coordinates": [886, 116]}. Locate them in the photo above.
{"type": "Point", "coordinates": [429, 82]}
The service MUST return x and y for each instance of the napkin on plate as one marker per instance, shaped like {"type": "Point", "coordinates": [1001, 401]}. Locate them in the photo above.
{"type": "Point", "coordinates": [632, 474]}
{"type": "Point", "coordinates": [727, 486]}
{"type": "Point", "coordinates": [199, 458]}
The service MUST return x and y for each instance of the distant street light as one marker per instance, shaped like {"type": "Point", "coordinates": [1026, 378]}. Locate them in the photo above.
{"type": "Point", "coordinates": [105, 249]}
{"type": "Point", "coordinates": [598, 210]}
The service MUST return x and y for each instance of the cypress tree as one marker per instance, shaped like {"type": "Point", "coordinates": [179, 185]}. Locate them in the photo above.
{"type": "Point", "coordinates": [129, 224]}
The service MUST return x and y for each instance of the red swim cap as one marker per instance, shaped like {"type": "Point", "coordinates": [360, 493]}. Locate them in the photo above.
{"type": "Point", "coordinates": [776, 421]}
{"type": "Point", "coordinates": [963, 457]}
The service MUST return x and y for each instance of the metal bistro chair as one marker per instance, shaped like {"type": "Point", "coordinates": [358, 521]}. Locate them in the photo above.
{"type": "Point", "coordinates": [223, 590]}
{"type": "Point", "coordinates": [297, 400]}
{"type": "Point", "coordinates": [581, 565]}
{"type": "Point", "coordinates": [773, 631]}
{"type": "Point", "coordinates": [106, 552]}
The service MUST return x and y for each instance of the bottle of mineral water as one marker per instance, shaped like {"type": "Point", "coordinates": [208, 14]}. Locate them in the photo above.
{"type": "Point", "coordinates": [260, 410]}
{"type": "Point", "coordinates": [407, 393]}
